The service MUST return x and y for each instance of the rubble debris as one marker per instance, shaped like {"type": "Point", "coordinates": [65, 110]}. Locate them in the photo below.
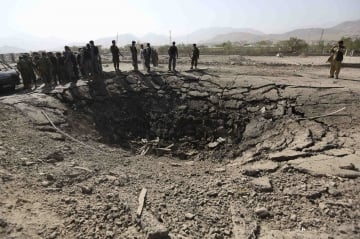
{"type": "Point", "coordinates": [142, 197]}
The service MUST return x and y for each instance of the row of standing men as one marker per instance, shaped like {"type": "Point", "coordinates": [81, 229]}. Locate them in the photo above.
{"type": "Point", "coordinates": [61, 68]}
{"type": "Point", "coordinates": [149, 54]}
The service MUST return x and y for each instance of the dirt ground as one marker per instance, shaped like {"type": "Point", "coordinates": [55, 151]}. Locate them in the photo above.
{"type": "Point", "coordinates": [287, 170]}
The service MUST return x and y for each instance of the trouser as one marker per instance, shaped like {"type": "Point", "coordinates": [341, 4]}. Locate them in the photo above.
{"type": "Point", "coordinates": [172, 60]}
{"type": "Point", "coordinates": [335, 67]}
{"type": "Point", "coordinates": [116, 62]}
{"type": "Point", "coordinates": [147, 64]}
{"type": "Point", "coordinates": [135, 63]}
{"type": "Point", "coordinates": [194, 61]}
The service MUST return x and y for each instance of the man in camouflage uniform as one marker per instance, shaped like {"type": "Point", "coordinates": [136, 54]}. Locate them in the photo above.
{"type": "Point", "coordinates": [53, 67]}
{"type": "Point", "coordinates": [147, 56]}
{"type": "Point", "coordinates": [68, 63]}
{"type": "Point", "coordinates": [173, 55]}
{"type": "Point", "coordinates": [115, 55]}
{"type": "Point", "coordinates": [337, 56]}
{"type": "Point", "coordinates": [133, 51]}
{"type": "Point", "coordinates": [43, 66]}
{"type": "Point", "coordinates": [195, 56]}
{"type": "Point", "coordinates": [60, 68]}
{"type": "Point", "coordinates": [95, 58]}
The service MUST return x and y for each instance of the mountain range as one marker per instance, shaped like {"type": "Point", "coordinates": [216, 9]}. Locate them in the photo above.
{"type": "Point", "coordinates": [210, 36]}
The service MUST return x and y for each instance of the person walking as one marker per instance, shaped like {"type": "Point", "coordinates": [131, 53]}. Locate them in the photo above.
{"type": "Point", "coordinates": [337, 56]}
{"type": "Point", "coordinates": [173, 55]}
{"type": "Point", "coordinates": [133, 51]}
{"type": "Point", "coordinates": [195, 56]}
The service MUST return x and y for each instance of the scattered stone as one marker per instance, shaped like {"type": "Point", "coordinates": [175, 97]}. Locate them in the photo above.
{"type": "Point", "coordinates": [3, 223]}
{"type": "Point", "coordinates": [262, 212]}
{"type": "Point", "coordinates": [213, 145]}
{"type": "Point", "coordinates": [293, 217]}
{"type": "Point", "coordinates": [259, 167]}
{"type": "Point", "coordinates": [153, 228]}
{"type": "Point", "coordinates": [54, 157]}
{"type": "Point", "coordinates": [339, 152]}
{"type": "Point", "coordinates": [219, 170]}
{"type": "Point", "coordinates": [324, 165]}
{"type": "Point", "coordinates": [262, 184]}
{"type": "Point", "coordinates": [109, 234]}
{"type": "Point", "coordinates": [56, 136]}
{"type": "Point", "coordinates": [350, 166]}
{"type": "Point", "coordinates": [189, 216]}
{"type": "Point", "coordinates": [2, 153]}
{"type": "Point", "coordinates": [213, 193]}
{"type": "Point", "coordinates": [86, 189]}
{"type": "Point", "coordinates": [175, 164]}
{"type": "Point", "coordinates": [46, 183]}
{"type": "Point", "coordinates": [287, 155]}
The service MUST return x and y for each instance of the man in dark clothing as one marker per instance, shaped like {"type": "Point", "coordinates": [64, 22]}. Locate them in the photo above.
{"type": "Point", "coordinates": [337, 56]}
{"type": "Point", "coordinates": [115, 55]}
{"type": "Point", "coordinates": [147, 56]}
{"type": "Point", "coordinates": [44, 66]}
{"type": "Point", "coordinates": [195, 56]}
{"type": "Point", "coordinates": [173, 55]}
{"type": "Point", "coordinates": [60, 67]}
{"type": "Point", "coordinates": [95, 58]}
{"type": "Point", "coordinates": [25, 66]}
{"type": "Point", "coordinates": [69, 67]}
{"type": "Point", "coordinates": [75, 67]}
{"type": "Point", "coordinates": [133, 51]}
{"type": "Point", "coordinates": [80, 61]}
{"type": "Point", "coordinates": [53, 66]}
{"type": "Point", "coordinates": [87, 61]}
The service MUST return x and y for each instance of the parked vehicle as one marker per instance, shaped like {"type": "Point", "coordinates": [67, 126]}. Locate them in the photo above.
{"type": "Point", "coordinates": [9, 77]}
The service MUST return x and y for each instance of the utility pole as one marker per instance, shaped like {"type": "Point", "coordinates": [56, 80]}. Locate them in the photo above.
{"type": "Point", "coordinates": [170, 37]}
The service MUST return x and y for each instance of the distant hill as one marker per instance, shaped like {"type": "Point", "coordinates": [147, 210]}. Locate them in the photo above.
{"type": "Point", "coordinates": [10, 49]}
{"type": "Point", "coordinates": [205, 34]}
{"type": "Point", "coordinates": [347, 29]}
{"type": "Point", "coordinates": [212, 35]}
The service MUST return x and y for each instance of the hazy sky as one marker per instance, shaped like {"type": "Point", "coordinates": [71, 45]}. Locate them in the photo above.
{"type": "Point", "coordinates": [78, 20]}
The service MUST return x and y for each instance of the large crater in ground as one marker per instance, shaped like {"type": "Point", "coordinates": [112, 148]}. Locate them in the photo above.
{"type": "Point", "coordinates": [184, 112]}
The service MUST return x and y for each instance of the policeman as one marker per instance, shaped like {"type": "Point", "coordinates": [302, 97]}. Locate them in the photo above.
{"type": "Point", "coordinates": [173, 55]}
{"type": "Point", "coordinates": [195, 56]}
{"type": "Point", "coordinates": [337, 56]}
{"type": "Point", "coordinates": [115, 55]}
{"type": "Point", "coordinates": [133, 51]}
{"type": "Point", "coordinates": [147, 56]}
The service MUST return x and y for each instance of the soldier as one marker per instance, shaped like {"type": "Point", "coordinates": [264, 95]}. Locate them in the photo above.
{"type": "Point", "coordinates": [147, 57]}
{"type": "Point", "coordinates": [20, 66]}
{"type": "Point", "coordinates": [80, 61]}
{"type": "Point", "coordinates": [29, 68]}
{"type": "Point", "coordinates": [44, 65]}
{"type": "Point", "coordinates": [337, 56]}
{"type": "Point", "coordinates": [142, 56]}
{"type": "Point", "coordinates": [53, 66]}
{"type": "Point", "coordinates": [133, 51]}
{"type": "Point", "coordinates": [75, 67]}
{"type": "Point", "coordinates": [195, 56]}
{"type": "Point", "coordinates": [154, 57]}
{"type": "Point", "coordinates": [60, 67]}
{"type": "Point", "coordinates": [115, 55]}
{"type": "Point", "coordinates": [95, 58]}
{"type": "Point", "coordinates": [68, 63]}
{"type": "Point", "coordinates": [173, 55]}
{"type": "Point", "coordinates": [87, 61]}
